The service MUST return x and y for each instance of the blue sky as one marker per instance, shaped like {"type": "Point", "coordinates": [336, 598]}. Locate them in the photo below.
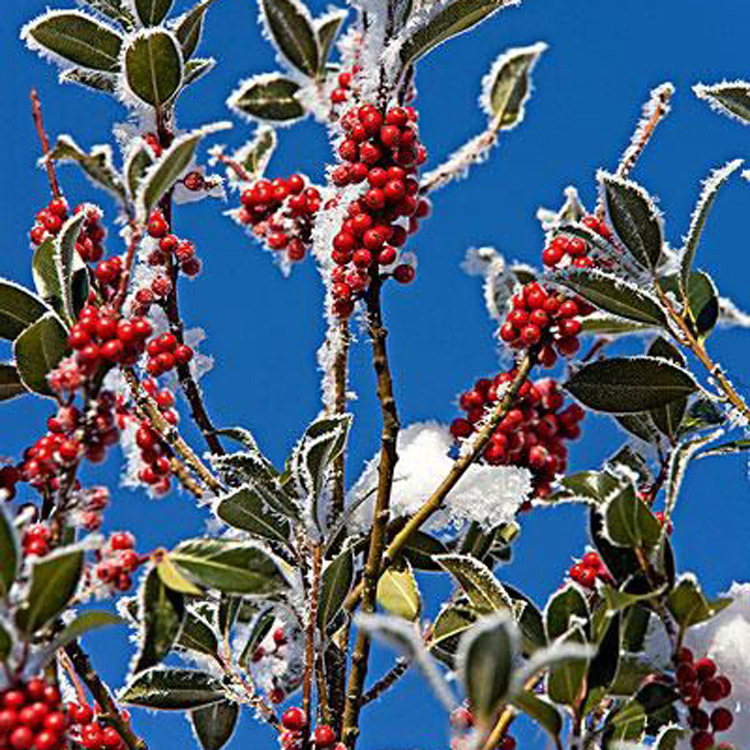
{"type": "Point", "coordinates": [264, 330]}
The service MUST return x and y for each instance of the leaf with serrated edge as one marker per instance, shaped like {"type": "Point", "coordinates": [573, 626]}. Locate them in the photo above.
{"type": "Point", "coordinates": [196, 68]}
{"type": "Point", "coordinates": [214, 725]}
{"type": "Point", "coordinates": [19, 308]}
{"type": "Point", "coordinates": [731, 98]}
{"type": "Point", "coordinates": [250, 509]}
{"type": "Point", "coordinates": [67, 259]}
{"type": "Point", "coordinates": [38, 350]}
{"type": "Point", "coordinates": [477, 581]}
{"type": "Point", "coordinates": [326, 29]}
{"type": "Point", "coordinates": [172, 689]}
{"type": "Point", "coordinates": [153, 66]}
{"type": "Point", "coordinates": [290, 26]}
{"type": "Point", "coordinates": [623, 385]}
{"type": "Point", "coordinates": [336, 583]}
{"type": "Point", "coordinates": [269, 97]}
{"type": "Point", "coordinates": [566, 604]}
{"type": "Point", "coordinates": [71, 36]}
{"type": "Point", "coordinates": [257, 152]}
{"type": "Point", "coordinates": [189, 27]}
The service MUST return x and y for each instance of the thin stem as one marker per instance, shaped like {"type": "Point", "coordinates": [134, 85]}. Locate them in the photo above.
{"type": "Point", "coordinates": [82, 665]}
{"type": "Point", "coordinates": [340, 382]}
{"type": "Point", "coordinates": [390, 678]}
{"type": "Point", "coordinates": [378, 533]}
{"type": "Point", "coordinates": [135, 237]}
{"type": "Point", "coordinates": [459, 468]}
{"type": "Point", "coordinates": [311, 630]}
{"type": "Point", "coordinates": [36, 113]}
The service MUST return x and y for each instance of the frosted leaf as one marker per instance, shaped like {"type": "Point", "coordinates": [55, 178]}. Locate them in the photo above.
{"type": "Point", "coordinates": [572, 210]}
{"type": "Point", "coordinates": [731, 315]}
{"type": "Point", "coordinates": [489, 495]}
{"type": "Point", "coordinates": [499, 281]}
{"type": "Point", "coordinates": [731, 98]}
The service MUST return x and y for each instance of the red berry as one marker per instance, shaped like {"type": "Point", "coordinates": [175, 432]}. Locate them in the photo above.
{"type": "Point", "coordinates": [711, 690]}
{"type": "Point", "coordinates": [324, 736]}
{"type": "Point", "coordinates": [721, 719]}
{"type": "Point", "coordinates": [706, 668]}
{"type": "Point", "coordinates": [294, 719]}
{"type": "Point", "coordinates": [701, 740]}
{"type": "Point", "coordinates": [122, 540]}
{"type": "Point", "coordinates": [21, 738]}
{"type": "Point", "coordinates": [404, 273]}
{"type": "Point", "coordinates": [183, 354]}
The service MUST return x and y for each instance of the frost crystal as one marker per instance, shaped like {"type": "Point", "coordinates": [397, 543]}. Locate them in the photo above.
{"type": "Point", "coordinates": [489, 495]}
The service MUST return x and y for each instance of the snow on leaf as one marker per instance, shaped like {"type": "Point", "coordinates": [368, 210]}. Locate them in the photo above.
{"type": "Point", "coordinates": [731, 98]}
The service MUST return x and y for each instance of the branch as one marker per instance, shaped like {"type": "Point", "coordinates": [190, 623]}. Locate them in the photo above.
{"type": "Point", "coordinates": [36, 113]}
{"type": "Point", "coordinates": [390, 678]}
{"type": "Point", "coordinates": [340, 376]}
{"type": "Point", "coordinates": [435, 501]}
{"type": "Point", "coordinates": [312, 622]}
{"type": "Point", "coordinates": [378, 533]}
{"type": "Point", "coordinates": [101, 693]}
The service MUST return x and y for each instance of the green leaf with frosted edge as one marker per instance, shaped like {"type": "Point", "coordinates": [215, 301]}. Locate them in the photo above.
{"type": "Point", "coordinates": [10, 382]}
{"type": "Point", "coordinates": [541, 711]}
{"type": "Point", "coordinates": [227, 566]}
{"type": "Point", "coordinates": [421, 549]}
{"type": "Point", "coordinates": [290, 26]}
{"type": "Point", "coordinates": [336, 583]}
{"type": "Point", "coordinates": [566, 604]}
{"type": "Point", "coordinates": [486, 658]}
{"type": "Point", "coordinates": [613, 295]}
{"type": "Point", "coordinates": [633, 216]}
{"type": "Point", "coordinates": [703, 300]}
{"type": "Point", "coordinates": [530, 621]}
{"type": "Point", "coordinates": [733, 446]}
{"type": "Point", "coordinates": [622, 385]}
{"type": "Point", "coordinates": [39, 350]}
{"type": "Point", "coordinates": [189, 28]}
{"type": "Point", "coordinates": [196, 68]}
{"type": "Point", "coordinates": [689, 606]}
{"type": "Point", "coordinates": [326, 29]}
{"type": "Point", "coordinates": [165, 689]}
{"type": "Point", "coordinates": [668, 418]}
{"type": "Point", "coordinates": [452, 621]}
{"type": "Point", "coordinates": [270, 97]}
{"type": "Point", "coordinates": [248, 509]}
{"type": "Point", "coordinates": [731, 98]}
{"type": "Point", "coordinates": [621, 562]}
{"type": "Point", "coordinates": [162, 614]}
{"type": "Point", "coordinates": [260, 629]}
{"type": "Point", "coordinates": [103, 83]}
{"type": "Point", "coordinates": [152, 12]}
{"type": "Point", "coordinates": [566, 679]}
{"type": "Point", "coordinates": [592, 486]}
{"type": "Point", "coordinates": [214, 725]}
{"type": "Point", "coordinates": [256, 153]}
{"type": "Point", "coordinates": [197, 635]}
{"type": "Point", "coordinates": [153, 67]}
{"type": "Point", "coordinates": [608, 325]}
{"type": "Point", "coordinates": [669, 738]}
{"type": "Point", "coordinates": [54, 580]}
{"type": "Point", "coordinates": [507, 87]}
{"type": "Point", "coordinates": [19, 308]}
{"type": "Point", "coordinates": [639, 424]}
{"type": "Point", "coordinates": [629, 522]}
{"type": "Point", "coordinates": [114, 9]}
{"type": "Point", "coordinates": [76, 38]}
{"type": "Point", "coordinates": [45, 275]}
{"type": "Point", "coordinates": [398, 593]}
{"type": "Point", "coordinates": [9, 557]}
{"type": "Point", "coordinates": [6, 643]}
{"type": "Point", "coordinates": [136, 165]}
{"type": "Point", "coordinates": [603, 666]}
{"type": "Point", "coordinates": [650, 698]}
{"type": "Point", "coordinates": [452, 20]}
{"type": "Point", "coordinates": [477, 581]}
{"type": "Point", "coordinates": [69, 264]}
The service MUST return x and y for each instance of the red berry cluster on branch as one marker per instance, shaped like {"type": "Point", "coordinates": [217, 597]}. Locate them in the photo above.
{"type": "Point", "coordinates": [346, 85]}
{"type": "Point", "coordinates": [165, 352]}
{"type": "Point", "coordinates": [89, 731]}
{"type": "Point", "coordinates": [117, 560]}
{"type": "Point", "coordinates": [281, 213]}
{"type": "Point", "coordinates": [89, 244]}
{"type": "Point", "coordinates": [294, 723]}
{"type": "Point", "coordinates": [49, 221]}
{"type": "Point", "coordinates": [544, 318]}
{"type": "Point", "coordinates": [384, 152]}
{"type": "Point", "coordinates": [532, 434]}
{"type": "Point", "coordinates": [36, 540]}
{"type": "Point", "coordinates": [566, 250]}
{"type": "Point", "coordinates": [170, 246]}
{"type": "Point", "coordinates": [588, 569]}
{"type": "Point", "coordinates": [31, 716]}
{"type": "Point", "coordinates": [155, 456]}
{"type": "Point", "coordinates": [698, 681]}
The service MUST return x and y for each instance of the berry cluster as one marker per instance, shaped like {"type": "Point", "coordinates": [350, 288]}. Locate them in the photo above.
{"type": "Point", "coordinates": [294, 722]}
{"type": "Point", "coordinates": [279, 641]}
{"type": "Point", "coordinates": [90, 506]}
{"type": "Point", "coordinates": [384, 152]}
{"type": "Point", "coordinates": [588, 569]}
{"type": "Point", "coordinates": [117, 560]}
{"type": "Point", "coordinates": [280, 212]}
{"type": "Point", "coordinates": [90, 732]}
{"type": "Point", "coordinates": [155, 457]}
{"type": "Point", "coordinates": [49, 221]}
{"type": "Point", "coordinates": [699, 681]}
{"type": "Point", "coordinates": [169, 246]}
{"type": "Point", "coordinates": [462, 720]}
{"type": "Point", "coordinates": [36, 539]}
{"type": "Point", "coordinates": [565, 250]}
{"type": "Point", "coordinates": [345, 81]}
{"type": "Point", "coordinates": [534, 431]}
{"type": "Point", "coordinates": [31, 716]}
{"type": "Point", "coordinates": [165, 352]}
{"type": "Point", "coordinates": [541, 317]}
{"type": "Point", "coordinates": [89, 244]}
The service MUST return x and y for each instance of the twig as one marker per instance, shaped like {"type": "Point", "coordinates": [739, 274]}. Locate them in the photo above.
{"type": "Point", "coordinates": [135, 238]}
{"type": "Point", "coordinates": [340, 373]}
{"type": "Point", "coordinates": [36, 113]}
{"type": "Point", "coordinates": [435, 501]}
{"type": "Point", "coordinates": [390, 678]}
{"type": "Point", "coordinates": [381, 516]}
{"type": "Point", "coordinates": [311, 629]}
{"type": "Point", "coordinates": [82, 665]}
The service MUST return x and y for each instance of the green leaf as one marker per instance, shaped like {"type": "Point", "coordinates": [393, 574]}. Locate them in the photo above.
{"type": "Point", "coordinates": [613, 295]}
{"type": "Point", "coordinates": [421, 549]}
{"type": "Point", "coordinates": [196, 68]}
{"type": "Point", "coordinates": [650, 698]}
{"type": "Point", "coordinates": [639, 424]}
{"type": "Point", "coordinates": [227, 566]}
{"type": "Point", "coordinates": [290, 26]}
{"type": "Point", "coordinates": [669, 738]}
{"type": "Point", "coordinates": [507, 87]}
{"type": "Point", "coordinates": [256, 153]}
{"type": "Point", "coordinates": [565, 679]}
{"type": "Point", "coordinates": [732, 446]}
{"type": "Point", "coordinates": [6, 644]}
{"type": "Point", "coordinates": [326, 29]}
{"type": "Point", "coordinates": [590, 486]}
{"type": "Point", "coordinates": [38, 350]}
{"type": "Point", "coordinates": [10, 382]}
{"type": "Point", "coordinates": [689, 606]}
{"type": "Point", "coordinates": [563, 608]}
{"type": "Point", "coordinates": [137, 163]}
{"type": "Point", "coordinates": [19, 308]}
{"type": "Point", "coordinates": [54, 580]}
{"type": "Point", "coordinates": [629, 522]}
{"type": "Point", "coordinates": [700, 214]}
{"type": "Point", "coordinates": [161, 177]}
{"type": "Point", "coordinates": [190, 27]}
{"type": "Point", "coordinates": [75, 37]}
{"type": "Point", "coordinates": [633, 216]}
{"type": "Point", "coordinates": [398, 592]}
{"type": "Point", "coordinates": [214, 725]}
{"type": "Point", "coordinates": [477, 581]}
{"type": "Point", "coordinates": [453, 19]}
{"type": "Point", "coordinates": [252, 508]}
{"type": "Point", "coordinates": [607, 325]}
{"type": "Point", "coordinates": [260, 629]}
{"type": "Point", "coordinates": [336, 583]}
{"type": "Point", "coordinates": [152, 12]}
{"type": "Point", "coordinates": [197, 635]}
{"type": "Point", "coordinates": [172, 577]}
{"type": "Point", "coordinates": [46, 278]}
{"type": "Point", "coordinates": [486, 659]}
{"type": "Point", "coordinates": [730, 98]}
{"type": "Point", "coordinates": [269, 97]}
{"type": "Point", "coordinates": [541, 711]}
{"type": "Point", "coordinates": [172, 689]}
{"type": "Point", "coordinates": [153, 66]}
{"type": "Point", "coordinates": [668, 418]}
{"type": "Point", "coordinates": [624, 385]}
{"type": "Point", "coordinates": [162, 613]}
{"type": "Point", "coordinates": [703, 300]}
{"type": "Point", "coordinates": [530, 621]}
{"type": "Point", "coordinates": [9, 554]}
{"type": "Point", "coordinates": [603, 666]}
{"type": "Point", "coordinates": [68, 263]}
{"type": "Point", "coordinates": [104, 83]}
